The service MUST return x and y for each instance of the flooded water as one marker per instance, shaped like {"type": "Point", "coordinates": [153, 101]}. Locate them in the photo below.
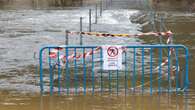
{"type": "Point", "coordinates": [24, 31]}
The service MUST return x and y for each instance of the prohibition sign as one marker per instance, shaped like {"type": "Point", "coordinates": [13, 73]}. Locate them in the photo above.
{"type": "Point", "coordinates": [112, 51]}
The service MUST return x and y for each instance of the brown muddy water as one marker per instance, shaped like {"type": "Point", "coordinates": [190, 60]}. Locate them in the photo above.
{"type": "Point", "coordinates": [24, 32]}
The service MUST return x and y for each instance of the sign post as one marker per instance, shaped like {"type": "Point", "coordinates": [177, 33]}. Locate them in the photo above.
{"type": "Point", "coordinates": [112, 56]}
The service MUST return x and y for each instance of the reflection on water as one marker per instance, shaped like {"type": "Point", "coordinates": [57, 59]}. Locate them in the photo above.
{"type": "Point", "coordinates": [155, 102]}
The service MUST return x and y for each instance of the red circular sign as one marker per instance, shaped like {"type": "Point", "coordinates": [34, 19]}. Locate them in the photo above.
{"type": "Point", "coordinates": [112, 51]}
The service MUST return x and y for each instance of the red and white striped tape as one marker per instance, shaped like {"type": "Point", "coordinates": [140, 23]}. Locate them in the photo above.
{"type": "Point", "coordinates": [166, 61]}
{"type": "Point", "coordinates": [168, 33]}
{"type": "Point", "coordinates": [54, 52]}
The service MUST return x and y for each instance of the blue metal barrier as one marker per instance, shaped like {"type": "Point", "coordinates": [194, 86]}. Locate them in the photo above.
{"type": "Point", "coordinates": [146, 69]}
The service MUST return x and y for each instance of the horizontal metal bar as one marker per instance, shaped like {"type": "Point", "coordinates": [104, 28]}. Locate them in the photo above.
{"type": "Point", "coordinates": [131, 46]}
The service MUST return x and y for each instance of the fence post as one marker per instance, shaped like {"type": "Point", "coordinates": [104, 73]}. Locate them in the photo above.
{"type": "Point", "coordinates": [96, 16]}
{"type": "Point", "coordinates": [81, 29]}
{"type": "Point", "coordinates": [66, 37]}
{"type": "Point", "coordinates": [89, 20]}
{"type": "Point", "coordinates": [81, 2]}
{"type": "Point", "coordinates": [106, 4]}
{"type": "Point", "coordinates": [37, 4]}
{"type": "Point", "coordinates": [101, 8]}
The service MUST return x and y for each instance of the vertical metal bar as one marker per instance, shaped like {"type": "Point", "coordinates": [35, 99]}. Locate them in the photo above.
{"type": "Point", "coordinates": [117, 82]}
{"type": "Point", "coordinates": [126, 74]}
{"type": "Point", "coordinates": [93, 71]}
{"type": "Point", "coordinates": [96, 14]}
{"type": "Point", "coordinates": [67, 72]}
{"type": "Point", "coordinates": [182, 81]}
{"type": "Point", "coordinates": [36, 67]}
{"type": "Point", "coordinates": [81, 3]}
{"type": "Point", "coordinates": [177, 69]}
{"type": "Point", "coordinates": [160, 70]}
{"type": "Point", "coordinates": [75, 72]}
{"type": "Point", "coordinates": [84, 72]}
{"type": "Point", "coordinates": [59, 73]}
{"type": "Point", "coordinates": [169, 69]}
{"type": "Point", "coordinates": [151, 71]}
{"type": "Point", "coordinates": [153, 20]}
{"type": "Point", "coordinates": [37, 4]}
{"type": "Point", "coordinates": [50, 74]}
{"type": "Point", "coordinates": [161, 29]}
{"type": "Point", "coordinates": [101, 70]}
{"type": "Point", "coordinates": [110, 82]}
{"type": "Point", "coordinates": [66, 37]}
{"type": "Point", "coordinates": [142, 70]}
{"type": "Point", "coordinates": [81, 29]}
{"type": "Point", "coordinates": [101, 7]}
{"type": "Point", "coordinates": [106, 4]}
{"type": "Point", "coordinates": [89, 20]}
{"type": "Point", "coordinates": [187, 69]}
{"type": "Point", "coordinates": [134, 69]}
{"type": "Point", "coordinates": [170, 72]}
{"type": "Point", "coordinates": [41, 71]}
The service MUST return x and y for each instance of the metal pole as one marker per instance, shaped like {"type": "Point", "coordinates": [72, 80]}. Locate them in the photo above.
{"type": "Point", "coordinates": [89, 20]}
{"type": "Point", "coordinates": [96, 16]}
{"type": "Point", "coordinates": [37, 4]}
{"type": "Point", "coordinates": [101, 8]}
{"type": "Point", "coordinates": [81, 29]}
{"type": "Point", "coordinates": [66, 41]}
{"type": "Point", "coordinates": [106, 4]}
{"type": "Point", "coordinates": [81, 2]}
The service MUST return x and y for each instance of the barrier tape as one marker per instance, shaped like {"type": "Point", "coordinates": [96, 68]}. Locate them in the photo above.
{"type": "Point", "coordinates": [54, 52]}
{"type": "Point", "coordinates": [168, 33]}
{"type": "Point", "coordinates": [165, 61]}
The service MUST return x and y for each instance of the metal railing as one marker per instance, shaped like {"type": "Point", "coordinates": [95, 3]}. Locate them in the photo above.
{"type": "Point", "coordinates": [78, 70]}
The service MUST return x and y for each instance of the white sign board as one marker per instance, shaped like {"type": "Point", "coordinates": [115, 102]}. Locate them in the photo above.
{"type": "Point", "coordinates": [112, 56]}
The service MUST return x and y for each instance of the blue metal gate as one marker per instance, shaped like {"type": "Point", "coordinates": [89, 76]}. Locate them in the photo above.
{"type": "Point", "coordinates": [78, 70]}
